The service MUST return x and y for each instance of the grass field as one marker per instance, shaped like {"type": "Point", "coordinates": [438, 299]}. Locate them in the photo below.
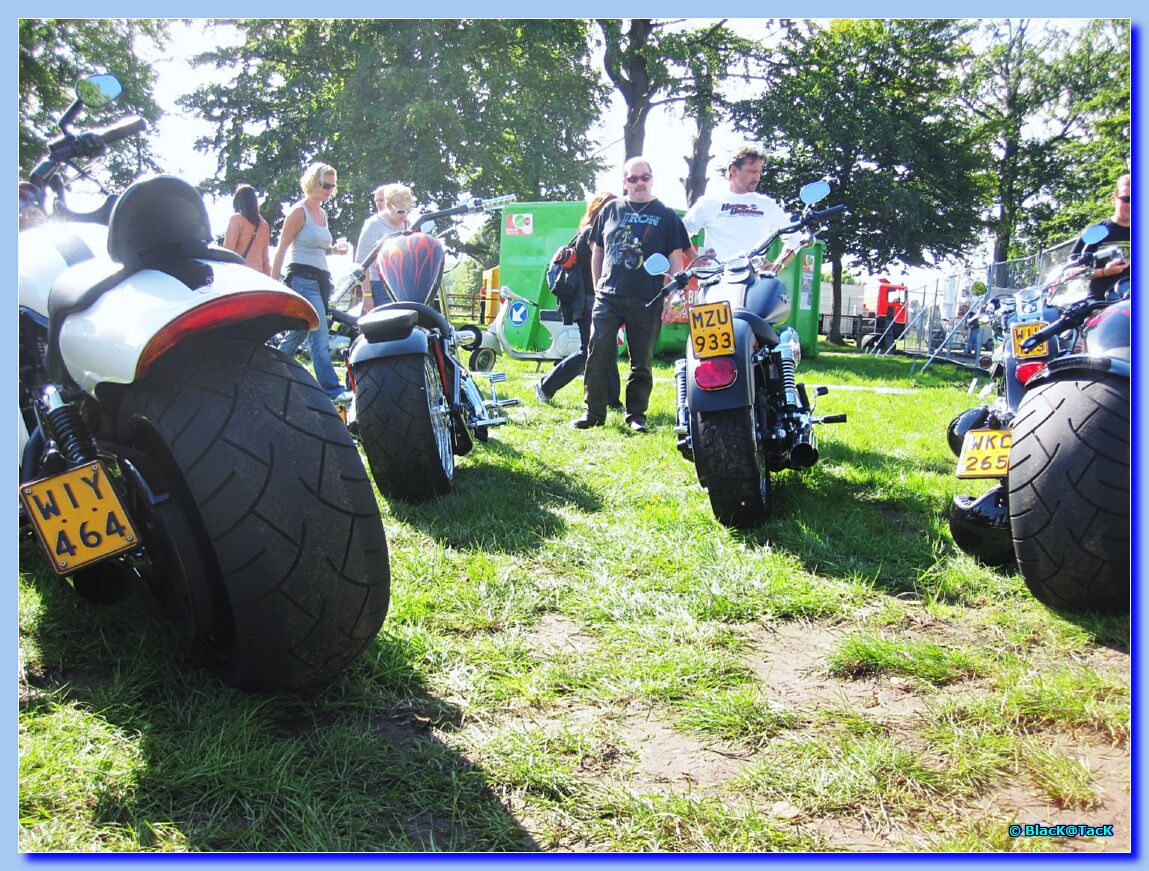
{"type": "Point", "coordinates": [578, 657]}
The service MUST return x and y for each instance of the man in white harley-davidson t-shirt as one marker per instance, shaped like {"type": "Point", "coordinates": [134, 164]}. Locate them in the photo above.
{"type": "Point", "coordinates": [737, 220]}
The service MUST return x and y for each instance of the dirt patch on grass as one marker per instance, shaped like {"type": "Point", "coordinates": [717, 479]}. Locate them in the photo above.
{"type": "Point", "coordinates": [669, 761]}
{"type": "Point", "coordinates": [556, 633]}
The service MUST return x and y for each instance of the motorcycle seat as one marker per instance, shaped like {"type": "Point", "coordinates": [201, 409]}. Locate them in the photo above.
{"type": "Point", "coordinates": [761, 327]}
{"type": "Point", "coordinates": [384, 324]}
{"type": "Point", "coordinates": [425, 317]}
{"type": "Point", "coordinates": [159, 221]}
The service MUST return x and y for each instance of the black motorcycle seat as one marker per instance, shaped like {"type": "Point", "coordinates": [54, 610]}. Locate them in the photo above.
{"type": "Point", "coordinates": [761, 327]}
{"type": "Point", "coordinates": [161, 220]}
{"type": "Point", "coordinates": [425, 316]}
{"type": "Point", "coordinates": [387, 324]}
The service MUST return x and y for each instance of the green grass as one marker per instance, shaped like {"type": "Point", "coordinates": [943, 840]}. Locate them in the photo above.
{"type": "Point", "coordinates": [843, 668]}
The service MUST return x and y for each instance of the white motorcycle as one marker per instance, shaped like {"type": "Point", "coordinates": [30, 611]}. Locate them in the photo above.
{"type": "Point", "coordinates": [161, 440]}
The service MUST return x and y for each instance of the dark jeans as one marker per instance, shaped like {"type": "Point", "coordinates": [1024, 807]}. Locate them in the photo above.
{"type": "Point", "coordinates": [571, 367]}
{"type": "Point", "coordinates": [642, 325]}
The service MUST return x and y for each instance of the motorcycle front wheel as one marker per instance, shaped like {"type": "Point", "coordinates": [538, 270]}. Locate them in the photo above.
{"type": "Point", "coordinates": [727, 461]}
{"type": "Point", "coordinates": [405, 426]}
{"type": "Point", "coordinates": [1069, 493]}
{"type": "Point", "coordinates": [262, 530]}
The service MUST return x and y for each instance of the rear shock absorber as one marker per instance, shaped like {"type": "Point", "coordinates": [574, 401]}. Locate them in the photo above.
{"type": "Point", "coordinates": [789, 380]}
{"type": "Point", "coordinates": [66, 428]}
{"type": "Point", "coordinates": [682, 413]}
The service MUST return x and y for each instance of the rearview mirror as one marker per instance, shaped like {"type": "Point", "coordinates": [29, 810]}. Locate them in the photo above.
{"type": "Point", "coordinates": [427, 227]}
{"type": "Point", "coordinates": [814, 192]}
{"type": "Point", "coordinates": [98, 90]}
{"type": "Point", "coordinates": [656, 264]}
{"type": "Point", "coordinates": [1094, 234]}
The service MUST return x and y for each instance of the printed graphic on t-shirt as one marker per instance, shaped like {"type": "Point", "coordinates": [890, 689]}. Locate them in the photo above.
{"type": "Point", "coordinates": [750, 210]}
{"type": "Point", "coordinates": [623, 247]}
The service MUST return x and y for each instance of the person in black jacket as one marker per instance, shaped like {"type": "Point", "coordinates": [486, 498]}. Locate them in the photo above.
{"type": "Point", "coordinates": [1104, 278]}
{"type": "Point", "coordinates": [571, 367]}
{"type": "Point", "coordinates": [626, 231]}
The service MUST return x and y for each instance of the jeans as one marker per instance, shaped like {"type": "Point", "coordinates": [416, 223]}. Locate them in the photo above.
{"type": "Point", "coordinates": [574, 365]}
{"type": "Point", "coordinates": [317, 339]}
{"type": "Point", "coordinates": [643, 323]}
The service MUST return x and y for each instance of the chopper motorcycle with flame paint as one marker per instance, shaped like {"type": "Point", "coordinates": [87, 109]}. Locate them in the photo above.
{"type": "Point", "coordinates": [160, 440]}
{"type": "Point", "coordinates": [416, 405]}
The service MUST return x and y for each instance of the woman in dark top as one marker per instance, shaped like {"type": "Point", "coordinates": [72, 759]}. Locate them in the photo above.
{"type": "Point", "coordinates": [571, 367]}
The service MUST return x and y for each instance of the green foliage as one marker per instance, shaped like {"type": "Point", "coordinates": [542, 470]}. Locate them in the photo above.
{"type": "Point", "coordinates": [872, 103]}
{"type": "Point", "coordinates": [1054, 106]}
{"type": "Point", "coordinates": [485, 107]}
{"type": "Point", "coordinates": [55, 52]}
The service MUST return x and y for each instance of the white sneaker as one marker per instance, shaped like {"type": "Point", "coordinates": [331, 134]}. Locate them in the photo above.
{"type": "Point", "coordinates": [344, 397]}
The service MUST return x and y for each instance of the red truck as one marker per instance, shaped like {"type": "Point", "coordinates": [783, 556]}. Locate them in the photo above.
{"type": "Point", "coordinates": [883, 303]}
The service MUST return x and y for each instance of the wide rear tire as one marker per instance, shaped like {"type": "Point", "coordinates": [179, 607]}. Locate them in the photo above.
{"type": "Point", "coordinates": [265, 542]}
{"type": "Point", "coordinates": [1069, 493]}
{"type": "Point", "coordinates": [405, 426]}
{"type": "Point", "coordinates": [728, 465]}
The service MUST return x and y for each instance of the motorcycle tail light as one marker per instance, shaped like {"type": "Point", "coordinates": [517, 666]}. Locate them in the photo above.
{"type": "Point", "coordinates": [1025, 371]}
{"type": "Point", "coordinates": [220, 312]}
{"type": "Point", "coordinates": [716, 373]}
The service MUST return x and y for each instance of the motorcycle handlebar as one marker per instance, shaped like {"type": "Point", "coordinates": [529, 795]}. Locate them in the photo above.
{"type": "Point", "coordinates": [133, 125]}
{"type": "Point", "coordinates": [1073, 316]}
{"type": "Point", "coordinates": [476, 204]}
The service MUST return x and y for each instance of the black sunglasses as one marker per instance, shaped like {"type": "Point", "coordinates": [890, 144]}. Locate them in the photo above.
{"type": "Point", "coordinates": [634, 179]}
{"type": "Point", "coordinates": [1124, 198]}
{"type": "Point", "coordinates": [327, 186]}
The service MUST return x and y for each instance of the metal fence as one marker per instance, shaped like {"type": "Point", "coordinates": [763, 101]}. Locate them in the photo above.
{"type": "Point", "coordinates": [943, 317]}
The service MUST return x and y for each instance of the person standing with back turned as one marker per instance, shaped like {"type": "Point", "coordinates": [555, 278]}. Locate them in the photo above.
{"type": "Point", "coordinates": [248, 235]}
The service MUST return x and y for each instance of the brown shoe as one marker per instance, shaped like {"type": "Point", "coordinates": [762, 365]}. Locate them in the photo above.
{"type": "Point", "coordinates": [586, 422]}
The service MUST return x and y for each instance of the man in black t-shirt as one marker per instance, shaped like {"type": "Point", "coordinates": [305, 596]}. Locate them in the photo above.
{"type": "Point", "coordinates": [627, 231]}
{"type": "Point", "coordinates": [1104, 278]}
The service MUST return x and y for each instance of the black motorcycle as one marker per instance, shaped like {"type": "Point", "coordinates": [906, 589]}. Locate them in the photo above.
{"type": "Point", "coordinates": [416, 406]}
{"type": "Point", "coordinates": [740, 412]}
{"type": "Point", "coordinates": [1056, 439]}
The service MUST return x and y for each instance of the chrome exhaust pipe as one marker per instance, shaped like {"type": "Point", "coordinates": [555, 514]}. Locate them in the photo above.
{"type": "Point", "coordinates": [804, 453]}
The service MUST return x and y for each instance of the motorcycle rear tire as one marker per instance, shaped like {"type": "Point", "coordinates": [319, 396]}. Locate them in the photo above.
{"type": "Point", "coordinates": [726, 459]}
{"type": "Point", "coordinates": [1069, 493]}
{"type": "Point", "coordinates": [270, 552]}
{"type": "Point", "coordinates": [405, 426]}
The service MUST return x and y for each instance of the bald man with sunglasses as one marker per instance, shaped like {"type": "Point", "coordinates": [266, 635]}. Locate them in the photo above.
{"type": "Point", "coordinates": [625, 232]}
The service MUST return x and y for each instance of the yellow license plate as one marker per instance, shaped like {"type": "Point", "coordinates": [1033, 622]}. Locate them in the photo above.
{"type": "Point", "coordinates": [78, 517]}
{"type": "Point", "coordinates": [712, 329]}
{"type": "Point", "coordinates": [985, 453]}
{"type": "Point", "coordinates": [1021, 332]}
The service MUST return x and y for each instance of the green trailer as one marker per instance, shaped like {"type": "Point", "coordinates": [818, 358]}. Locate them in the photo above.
{"type": "Point", "coordinates": [532, 232]}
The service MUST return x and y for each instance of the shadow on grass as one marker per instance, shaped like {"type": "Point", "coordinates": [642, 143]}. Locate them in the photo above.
{"type": "Point", "coordinates": [356, 766]}
{"type": "Point", "coordinates": [518, 499]}
{"type": "Point", "coordinates": [842, 528]}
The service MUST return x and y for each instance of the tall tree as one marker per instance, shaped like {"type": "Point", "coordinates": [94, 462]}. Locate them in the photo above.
{"type": "Point", "coordinates": [657, 62]}
{"type": "Point", "coordinates": [55, 52]}
{"type": "Point", "coordinates": [483, 107]}
{"type": "Point", "coordinates": [872, 104]}
{"type": "Point", "coordinates": [1030, 91]}
{"type": "Point", "coordinates": [1089, 159]}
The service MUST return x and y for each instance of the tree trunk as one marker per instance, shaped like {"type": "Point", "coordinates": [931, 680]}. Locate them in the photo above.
{"type": "Point", "coordinates": [627, 70]}
{"type": "Point", "coordinates": [699, 159]}
{"type": "Point", "coordinates": [835, 333]}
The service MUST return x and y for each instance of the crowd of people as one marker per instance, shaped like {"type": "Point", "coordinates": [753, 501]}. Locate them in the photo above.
{"type": "Point", "coordinates": [615, 236]}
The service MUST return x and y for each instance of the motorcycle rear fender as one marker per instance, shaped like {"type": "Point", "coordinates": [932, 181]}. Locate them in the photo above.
{"type": "Point", "coordinates": [737, 395]}
{"type": "Point", "coordinates": [1080, 366]}
{"type": "Point", "coordinates": [363, 351]}
{"type": "Point", "coordinates": [106, 342]}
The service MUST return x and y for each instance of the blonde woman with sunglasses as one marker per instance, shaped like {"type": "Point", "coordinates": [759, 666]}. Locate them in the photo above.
{"type": "Point", "coordinates": [305, 243]}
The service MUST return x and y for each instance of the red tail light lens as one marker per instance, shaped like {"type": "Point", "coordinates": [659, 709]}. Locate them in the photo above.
{"type": "Point", "coordinates": [1025, 371]}
{"type": "Point", "coordinates": [225, 310]}
{"type": "Point", "coordinates": [716, 373]}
